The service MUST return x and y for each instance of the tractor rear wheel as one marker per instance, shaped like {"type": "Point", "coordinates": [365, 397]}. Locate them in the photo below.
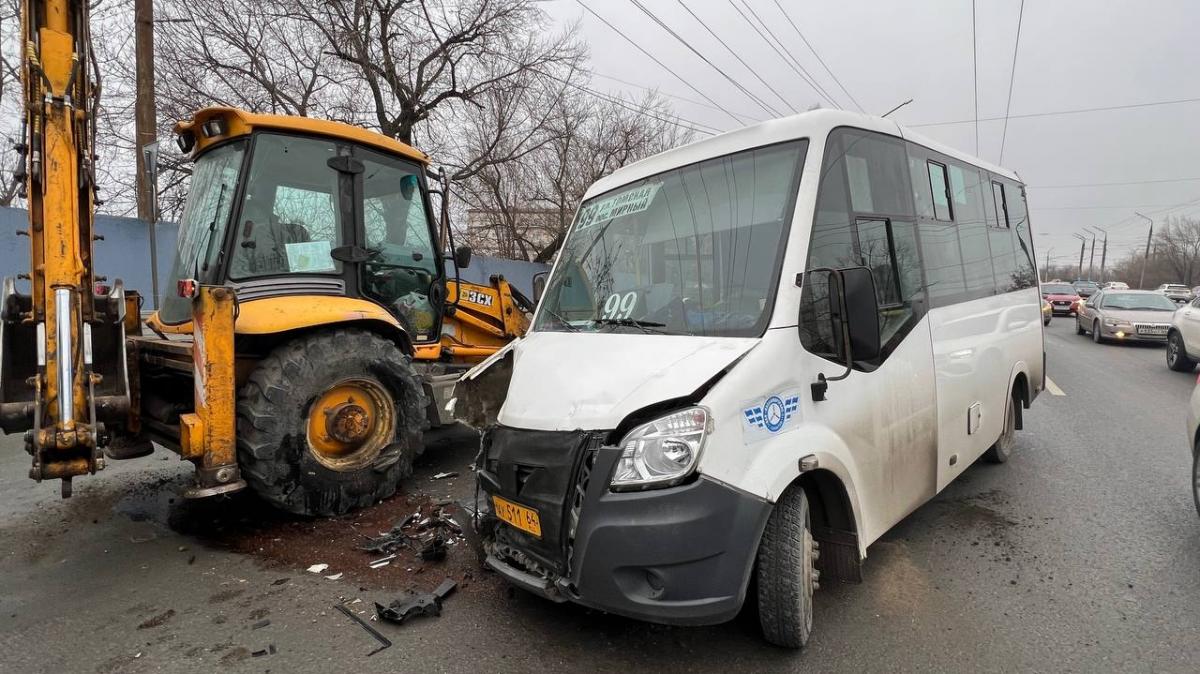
{"type": "Point", "coordinates": [330, 422]}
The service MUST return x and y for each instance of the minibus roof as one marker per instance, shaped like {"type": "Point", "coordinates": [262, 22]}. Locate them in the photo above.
{"type": "Point", "coordinates": [815, 124]}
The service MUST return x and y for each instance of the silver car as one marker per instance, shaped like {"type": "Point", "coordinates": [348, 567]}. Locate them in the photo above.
{"type": "Point", "coordinates": [1126, 315]}
{"type": "Point", "coordinates": [1176, 291]}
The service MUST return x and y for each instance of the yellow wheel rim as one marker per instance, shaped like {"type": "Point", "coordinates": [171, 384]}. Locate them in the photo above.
{"type": "Point", "coordinates": [350, 424]}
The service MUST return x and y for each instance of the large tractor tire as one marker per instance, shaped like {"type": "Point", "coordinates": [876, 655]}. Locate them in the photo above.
{"type": "Point", "coordinates": [330, 422]}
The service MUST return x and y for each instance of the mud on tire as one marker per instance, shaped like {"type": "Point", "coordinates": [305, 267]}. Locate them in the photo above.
{"type": "Point", "coordinates": [272, 419]}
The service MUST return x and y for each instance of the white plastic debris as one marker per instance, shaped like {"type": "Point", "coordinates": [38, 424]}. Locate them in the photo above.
{"type": "Point", "coordinates": [317, 568]}
{"type": "Point", "coordinates": [334, 576]}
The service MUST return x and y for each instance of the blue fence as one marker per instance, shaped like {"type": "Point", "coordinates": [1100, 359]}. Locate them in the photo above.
{"type": "Point", "coordinates": [125, 254]}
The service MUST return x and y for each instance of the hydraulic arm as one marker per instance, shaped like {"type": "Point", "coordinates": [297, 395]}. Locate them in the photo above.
{"type": "Point", "coordinates": [62, 352]}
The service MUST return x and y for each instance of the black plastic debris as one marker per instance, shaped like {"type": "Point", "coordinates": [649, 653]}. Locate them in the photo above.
{"type": "Point", "coordinates": [433, 550]}
{"type": "Point", "coordinates": [414, 604]}
{"type": "Point", "coordinates": [384, 642]}
{"type": "Point", "coordinates": [269, 650]}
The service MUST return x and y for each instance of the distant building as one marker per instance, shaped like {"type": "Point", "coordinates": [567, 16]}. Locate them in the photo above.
{"type": "Point", "coordinates": [490, 231]}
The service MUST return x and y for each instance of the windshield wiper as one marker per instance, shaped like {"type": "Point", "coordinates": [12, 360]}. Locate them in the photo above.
{"type": "Point", "coordinates": [649, 327]}
{"type": "Point", "coordinates": [562, 321]}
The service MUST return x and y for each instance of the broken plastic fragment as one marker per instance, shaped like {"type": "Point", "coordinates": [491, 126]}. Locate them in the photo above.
{"type": "Point", "coordinates": [317, 568]}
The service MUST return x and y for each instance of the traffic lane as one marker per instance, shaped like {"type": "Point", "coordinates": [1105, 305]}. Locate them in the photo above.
{"type": "Point", "coordinates": [1022, 565]}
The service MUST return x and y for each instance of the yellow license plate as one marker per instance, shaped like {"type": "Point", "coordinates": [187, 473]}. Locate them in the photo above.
{"type": "Point", "coordinates": [525, 519]}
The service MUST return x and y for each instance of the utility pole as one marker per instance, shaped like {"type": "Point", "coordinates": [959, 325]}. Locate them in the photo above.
{"type": "Point", "coordinates": [1082, 247]}
{"type": "Point", "coordinates": [1046, 269]}
{"type": "Point", "coordinates": [146, 126]}
{"type": "Point", "coordinates": [1149, 234]}
{"type": "Point", "coordinates": [1092, 257]}
{"type": "Point", "coordinates": [1103, 252]}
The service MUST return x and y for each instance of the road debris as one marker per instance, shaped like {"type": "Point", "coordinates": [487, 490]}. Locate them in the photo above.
{"type": "Point", "coordinates": [260, 624]}
{"type": "Point", "coordinates": [442, 476]}
{"type": "Point", "coordinates": [383, 641]}
{"type": "Point", "coordinates": [317, 568]}
{"type": "Point", "coordinates": [269, 650]}
{"type": "Point", "coordinates": [416, 604]}
{"type": "Point", "coordinates": [336, 576]}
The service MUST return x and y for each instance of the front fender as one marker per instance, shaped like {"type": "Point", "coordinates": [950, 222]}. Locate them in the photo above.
{"type": "Point", "coordinates": [778, 465]}
{"type": "Point", "coordinates": [277, 315]}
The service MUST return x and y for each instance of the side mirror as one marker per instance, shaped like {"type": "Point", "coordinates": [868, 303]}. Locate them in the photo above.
{"type": "Point", "coordinates": [858, 313]}
{"type": "Point", "coordinates": [539, 285]}
{"type": "Point", "coordinates": [853, 315]}
{"type": "Point", "coordinates": [462, 257]}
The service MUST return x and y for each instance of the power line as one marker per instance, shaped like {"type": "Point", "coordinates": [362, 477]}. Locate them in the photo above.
{"type": "Point", "coordinates": [819, 59]}
{"type": "Point", "coordinates": [737, 56]}
{"type": "Point", "coordinates": [690, 125]}
{"type": "Point", "coordinates": [1128, 182]}
{"type": "Point", "coordinates": [761, 103]}
{"type": "Point", "coordinates": [975, 76]}
{"type": "Point", "coordinates": [656, 90]}
{"type": "Point", "coordinates": [1075, 111]}
{"type": "Point", "coordinates": [815, 87]}
{"type": "Point", "coordinates": [1089, 208]}
{"type": "Point", "coordinates": [1012, 75]}
{"type": "Point", "coordinates": [821, 89]}
{"type": "Point", "coordinates": [664, 66]}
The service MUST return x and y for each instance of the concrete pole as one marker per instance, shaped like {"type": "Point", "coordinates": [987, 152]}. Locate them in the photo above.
{"type": "Point", "coordinates": [1146, 257]}
{"type": "Point", "coordinates": [146, 125]}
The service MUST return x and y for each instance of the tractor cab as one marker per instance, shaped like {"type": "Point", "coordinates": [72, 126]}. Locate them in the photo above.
{"type": "Point", "coordinates": [285, 207]}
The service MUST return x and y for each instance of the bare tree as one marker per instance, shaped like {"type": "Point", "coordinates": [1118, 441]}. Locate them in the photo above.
{"type": "Point", "coordinates": [415, 57]}
{"type": "Point", "coordinates": [1178, 247]}
{"type": "Point", "coordinates": [523, 207]}
{"type": "Point", "coordinates": [11, 103]}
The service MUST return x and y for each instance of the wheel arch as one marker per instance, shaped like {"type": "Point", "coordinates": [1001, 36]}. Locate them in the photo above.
{"type": "Point", "coordinates": [273, 320]}
{"type": "Point", "coordinates": [834, 524]}
{"type": "Point", "coordinates": [1018, 386]}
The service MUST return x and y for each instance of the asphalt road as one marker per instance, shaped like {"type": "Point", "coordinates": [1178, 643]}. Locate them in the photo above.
{"type": "Point", "coordinates": [1080, 554]}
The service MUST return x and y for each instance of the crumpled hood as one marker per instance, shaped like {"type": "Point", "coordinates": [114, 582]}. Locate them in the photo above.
{"type": "Point", "coordinates": [591, 381]}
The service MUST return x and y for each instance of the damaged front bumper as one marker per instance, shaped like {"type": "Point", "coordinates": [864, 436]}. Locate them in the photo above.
{"type": "Point", "coordinates": [680, 555]}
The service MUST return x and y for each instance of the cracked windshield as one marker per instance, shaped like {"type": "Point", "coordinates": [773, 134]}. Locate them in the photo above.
{"type": "Point", "coordinates": [690, 251]}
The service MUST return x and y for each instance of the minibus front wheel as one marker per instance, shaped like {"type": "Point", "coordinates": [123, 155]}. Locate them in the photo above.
{"type": "Point", "coordinates": [787, 575]}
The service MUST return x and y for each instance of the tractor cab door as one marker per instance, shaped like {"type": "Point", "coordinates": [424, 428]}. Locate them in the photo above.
{"type": "Point", "coordinates": [403, 271]}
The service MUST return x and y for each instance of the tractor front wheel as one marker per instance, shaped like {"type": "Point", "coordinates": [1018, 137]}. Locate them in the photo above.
{"type": "Point", "coordinates": [330, 422]}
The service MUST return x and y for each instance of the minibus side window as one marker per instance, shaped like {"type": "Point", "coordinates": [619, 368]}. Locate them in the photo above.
{"type": "Point", "coordinates": [941, 191]}
{"type": "Point", "coordinates": [865, 216]}
{"type": "Point", "coordinates": [1026, 272]}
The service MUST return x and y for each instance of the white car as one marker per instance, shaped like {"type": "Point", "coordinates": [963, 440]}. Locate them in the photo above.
{"type": "Point", "coordinates": [1183, 338]}
{"type": "Point", "coordinates": [1116, 285]}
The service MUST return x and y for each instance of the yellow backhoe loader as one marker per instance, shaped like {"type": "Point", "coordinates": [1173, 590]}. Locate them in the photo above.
{"type": "Point", "coordinates": [311, 334]}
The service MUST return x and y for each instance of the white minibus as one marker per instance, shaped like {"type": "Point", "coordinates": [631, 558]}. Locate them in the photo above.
{"type": "Point", "coordinates": [753, 356]}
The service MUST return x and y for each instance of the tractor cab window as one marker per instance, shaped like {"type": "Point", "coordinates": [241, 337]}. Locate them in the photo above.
{"type": "Point", "coordinates": [404, 265]}
{"type": "Point", "coordinates": [289, 220]}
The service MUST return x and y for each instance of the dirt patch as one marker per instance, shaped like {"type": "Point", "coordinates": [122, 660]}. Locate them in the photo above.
{"type": "Point", "coordinates": [157, 620]}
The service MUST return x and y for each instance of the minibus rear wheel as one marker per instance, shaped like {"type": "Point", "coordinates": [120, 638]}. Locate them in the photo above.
{"type": "Point", "coordinates": [1002, 449]}
{"type": "Point", "coordinates": [786, 572]}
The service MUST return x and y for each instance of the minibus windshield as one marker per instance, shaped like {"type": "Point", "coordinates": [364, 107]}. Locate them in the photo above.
{"type": "Point", "coordinates": [695, 250]}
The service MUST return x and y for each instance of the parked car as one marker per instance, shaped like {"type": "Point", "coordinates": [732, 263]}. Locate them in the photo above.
{"type": "Point", "coordinates": [1195, 291]}
{"type": "Point", "coordinates": [1183, 338]}
{"type": "Point", "coordinates": [1085, 288]}
{"type": "Point", "coordinates": [1126, 315]}
{"type": "Point", "coordinates": [1116, 285]}
{"type": "Point", "coordinates": [1177, 292]}
{"type": "Point", "coordinates": [1047, 311]}
{"type": "Point", "coordinates": [1061, 296]}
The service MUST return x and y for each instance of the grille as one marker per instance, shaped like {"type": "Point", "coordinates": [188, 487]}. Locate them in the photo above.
{"type": "Point", "coordinates": [579, 494]}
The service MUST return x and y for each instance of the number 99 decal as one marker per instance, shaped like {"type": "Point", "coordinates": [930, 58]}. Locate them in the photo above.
{"type": "Point", "coordinates": [620, 305]}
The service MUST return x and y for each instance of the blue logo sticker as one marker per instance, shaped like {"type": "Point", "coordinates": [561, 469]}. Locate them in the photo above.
{"type": "Point", "coordinates": [773, 414]}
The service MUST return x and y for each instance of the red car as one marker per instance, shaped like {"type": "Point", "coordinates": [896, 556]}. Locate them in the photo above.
{"type": "Point", "coordinates": [1062, 298]}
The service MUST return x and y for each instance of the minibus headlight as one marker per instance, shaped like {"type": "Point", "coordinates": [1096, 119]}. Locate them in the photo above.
{"type": "Point", "coordinates": [662, 452]}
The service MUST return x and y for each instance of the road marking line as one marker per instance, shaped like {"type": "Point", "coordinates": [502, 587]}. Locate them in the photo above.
{"type": "Point", "coordinates": [1053, 388]}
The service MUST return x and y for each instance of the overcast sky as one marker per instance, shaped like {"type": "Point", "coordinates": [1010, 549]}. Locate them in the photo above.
{"type": "Point", "coordinates": [1073, 54]}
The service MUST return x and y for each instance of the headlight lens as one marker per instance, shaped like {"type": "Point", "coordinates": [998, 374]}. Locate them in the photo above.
{"type": "Point", "coordinates": [662, 452]}
{"type": "Point", "coordinates": [1116, 323]}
